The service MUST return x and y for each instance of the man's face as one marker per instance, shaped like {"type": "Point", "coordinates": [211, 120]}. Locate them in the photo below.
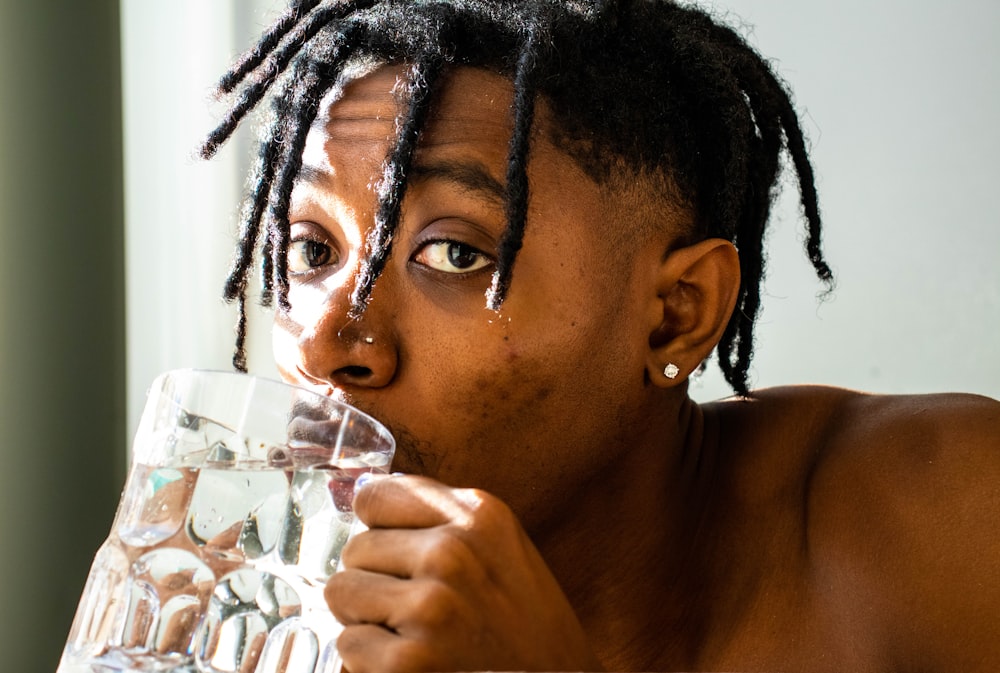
{"type": "Point", "coordinates": [529, 402]}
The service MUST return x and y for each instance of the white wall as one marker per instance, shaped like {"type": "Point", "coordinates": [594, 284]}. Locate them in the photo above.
{"type": "Point", "coordinates": [899, 99]}
{"type": "Point", "coordinates": [180, 211]}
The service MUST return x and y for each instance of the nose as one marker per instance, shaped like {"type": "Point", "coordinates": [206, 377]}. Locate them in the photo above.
{"type": "Point", "coordinates": [348, 352]}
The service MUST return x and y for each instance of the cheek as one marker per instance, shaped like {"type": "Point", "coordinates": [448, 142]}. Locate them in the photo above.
{"type": "Point", "coordinates": [482, 376]}
{"type": "Point", "coordinates": [509, 387]}
{"type": "Point", "coordinates": [515, 387]}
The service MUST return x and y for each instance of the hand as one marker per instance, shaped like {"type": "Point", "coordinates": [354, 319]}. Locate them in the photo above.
{"type": "Point", "coordinates": [447, 580]}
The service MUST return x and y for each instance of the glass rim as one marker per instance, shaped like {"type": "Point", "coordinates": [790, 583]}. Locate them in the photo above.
{"type": "Point", "coordinates": [268, 381]}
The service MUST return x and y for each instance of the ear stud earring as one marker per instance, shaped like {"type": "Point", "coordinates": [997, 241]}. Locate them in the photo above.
{"type": "Point", "coordinates": [671, 370]}
{"type": "Point", "coordinates": [369, 340]}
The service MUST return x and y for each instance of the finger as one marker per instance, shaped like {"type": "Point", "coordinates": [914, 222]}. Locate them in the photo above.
{"type": "Point", "coordinates": [411, 608]}
{"type": "Point", "coordinates": [440, 552]}
{"type": "Point", "coordinates": [363, 597]}
{"type": "Point", "coordinates": [357, 644]}
{"type": "Point", "coordinates": [369, 648]}
{"type": "Point", "coordinates": [408, 501]}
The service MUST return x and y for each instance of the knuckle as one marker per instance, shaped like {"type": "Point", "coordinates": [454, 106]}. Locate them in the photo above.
{"type": "Point", "coordinates": [475, 500]}
{"type": "Point", "coordinates": [435, 604]}
{"type": "Point", "coordinates": [446, 555]}
{"type": "Point", "coordinates": [486, 512]}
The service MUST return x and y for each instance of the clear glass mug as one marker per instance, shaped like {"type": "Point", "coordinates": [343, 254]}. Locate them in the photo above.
{"type": "Point", "coordinates": [236, 507]}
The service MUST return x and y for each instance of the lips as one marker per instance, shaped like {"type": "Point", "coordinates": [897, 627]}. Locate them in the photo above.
{"type": "Point", "coordinates": [413, 455]}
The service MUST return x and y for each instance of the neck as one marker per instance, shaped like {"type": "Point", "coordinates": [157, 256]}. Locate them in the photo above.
{"type": "Point", "coordinates": [644, 516]}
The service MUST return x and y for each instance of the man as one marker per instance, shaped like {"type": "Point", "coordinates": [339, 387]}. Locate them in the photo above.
{"type": "Point", "coordinates": [511, 232]}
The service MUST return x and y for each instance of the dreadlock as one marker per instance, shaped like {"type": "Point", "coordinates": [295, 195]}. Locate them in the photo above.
{"type": "Point", "coordinates": [656, 86]}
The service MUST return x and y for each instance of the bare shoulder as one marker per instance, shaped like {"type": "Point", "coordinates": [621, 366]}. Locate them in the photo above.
{"type": "Point", "coordinates": [904, 518]}
{"type": "Point", "coordinates": [921, 447]}
{"type": "Point", "coordinates": [899, 504]}
{"type": "Point", "coordinates": [934, 436]}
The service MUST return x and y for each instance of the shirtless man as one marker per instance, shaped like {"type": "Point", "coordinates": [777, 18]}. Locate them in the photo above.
{"type": "Point", "coordinates": [509, 231]}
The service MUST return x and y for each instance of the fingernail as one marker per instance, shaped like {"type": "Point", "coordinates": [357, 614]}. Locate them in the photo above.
{"type": "Point", "coordinates": [398, 474]}
{"type": "Point", "coordinates": [363, 478]}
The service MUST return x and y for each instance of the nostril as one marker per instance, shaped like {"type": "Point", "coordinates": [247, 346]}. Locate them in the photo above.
{"type": "Point", "coordinates": [353, 372]}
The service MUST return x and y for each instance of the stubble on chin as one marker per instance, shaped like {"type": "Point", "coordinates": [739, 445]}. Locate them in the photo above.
{"type": "Point", "coordinates": [413, 455]}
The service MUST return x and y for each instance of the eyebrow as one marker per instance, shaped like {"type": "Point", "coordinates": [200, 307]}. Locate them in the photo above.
{"type": "Point", "coordinates": [471, 177]}
{"type": "Point", "coordinates": [311, 175]}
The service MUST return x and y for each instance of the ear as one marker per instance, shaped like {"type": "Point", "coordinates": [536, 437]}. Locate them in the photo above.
{"type": "Point", "coordinates": [696, 290]}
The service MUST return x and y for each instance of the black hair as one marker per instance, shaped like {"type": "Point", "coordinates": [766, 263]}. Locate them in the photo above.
{"type": "Point", "coordinates": [656, 86]}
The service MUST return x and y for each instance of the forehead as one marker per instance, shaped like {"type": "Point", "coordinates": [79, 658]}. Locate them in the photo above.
{"type": "Point", "coordinates": [472, 109]}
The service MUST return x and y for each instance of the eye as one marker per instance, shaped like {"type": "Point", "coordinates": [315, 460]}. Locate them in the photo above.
{"type": "Point", "coordinates": [452, 257]}
{"type": "Point", "coordinates": [307, 254]}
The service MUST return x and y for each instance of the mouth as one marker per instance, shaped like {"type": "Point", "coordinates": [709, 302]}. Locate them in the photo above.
{"type": "Point", "coordinates": [413, 454]}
